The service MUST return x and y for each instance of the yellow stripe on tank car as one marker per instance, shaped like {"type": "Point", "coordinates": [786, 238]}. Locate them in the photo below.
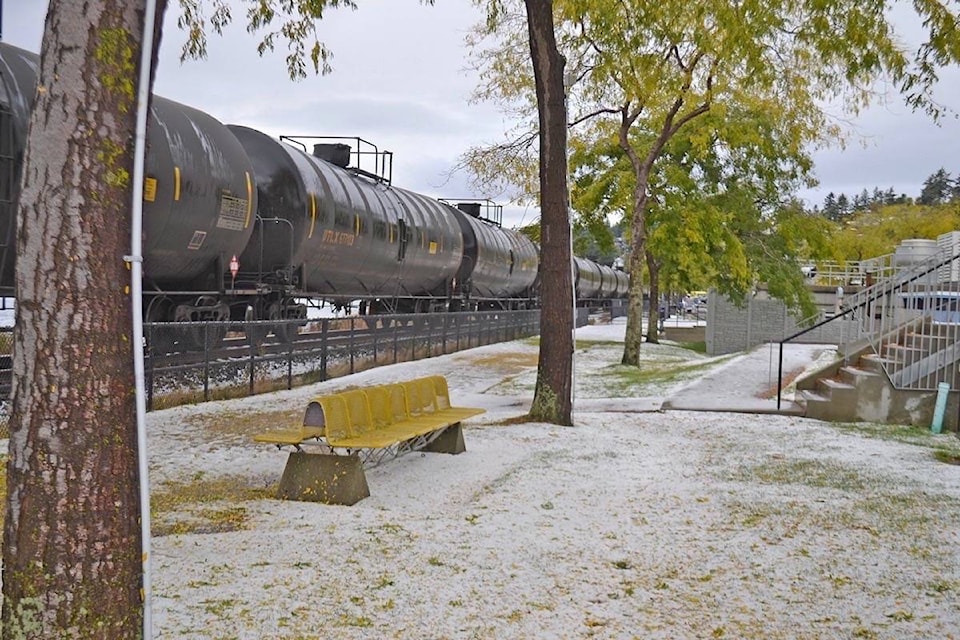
{"type": "Point", "coordinates": [313, 214]}
{"type": "Point", "coordinates": [176, 183]}
{"type": "Point", "coordinates": [246, 223]}
{"type": "Point", "coordinates": [356, 224]}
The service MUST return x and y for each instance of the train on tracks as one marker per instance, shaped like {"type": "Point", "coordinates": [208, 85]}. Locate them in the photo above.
{"type": "Point", "coordinates": [241, 226]}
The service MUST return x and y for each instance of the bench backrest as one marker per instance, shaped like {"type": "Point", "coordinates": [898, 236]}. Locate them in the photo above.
{"type": "Point", "coordinates": [428, 394]}
{"type": "Point", "coordinates": [381, 406]}
{"type": "Point", "coordinates": [442, 392]}
{"type": "Point", "coordinates": [398, 401]}
{"type": "Point", "coordinates": [418, 402]}
{"type": "Point", "coordinates": [335, 416]}
{"type": "Point", "coordinates": [358, 408]}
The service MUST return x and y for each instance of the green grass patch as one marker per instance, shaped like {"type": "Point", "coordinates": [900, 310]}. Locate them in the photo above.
{"type": "Point", "coordinates": [584, 345]}
{"type": "Point", "coordinates": [947, 456]}
{"type": "Point", "coordinates": [945, 445]}
{"type": "Point", "coordinates": [697, 347]}
{"type": "Point", "coordinates": [506, 363]}
{"type": "Point", "coordinates": [624, 380]}
{"type": "Point", "coordinates": [812, 473]}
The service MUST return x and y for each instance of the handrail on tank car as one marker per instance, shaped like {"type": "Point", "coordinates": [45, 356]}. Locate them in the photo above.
{"type": "Point", "coordinates": [382, 169]}
{"type": "Point", "coordinates": [492, 211]}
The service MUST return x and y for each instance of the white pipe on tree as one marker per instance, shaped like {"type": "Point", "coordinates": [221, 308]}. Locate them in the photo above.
{"type": "Point", "coordinates": [135, 259]}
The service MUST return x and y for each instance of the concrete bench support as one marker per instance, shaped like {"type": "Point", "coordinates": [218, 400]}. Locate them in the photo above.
{"type": "Point", "coordinates": [330, 479]}
{"type": "Point", "coordinates": [450, 441]}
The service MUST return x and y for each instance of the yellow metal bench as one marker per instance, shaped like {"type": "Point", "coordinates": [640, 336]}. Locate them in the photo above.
{"type": "Point", "coordinates": [368, 425]}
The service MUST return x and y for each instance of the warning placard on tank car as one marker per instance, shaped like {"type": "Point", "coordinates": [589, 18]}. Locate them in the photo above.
{"type": "Point", "coordinates": [233, 213]}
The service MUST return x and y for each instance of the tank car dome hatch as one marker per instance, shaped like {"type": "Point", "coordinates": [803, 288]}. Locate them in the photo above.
{"type": "Point", "coordinates": [199, 199]}
{"type": "Point", "coordinates": [19, 70]}
{"type": "Point", "coordinates": [335, 153]}
{"type": "Point", "coordinates": [470, 208]}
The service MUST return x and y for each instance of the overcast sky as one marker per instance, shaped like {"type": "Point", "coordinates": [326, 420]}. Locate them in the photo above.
{"type": "Point", "coordinates": [400, 81]}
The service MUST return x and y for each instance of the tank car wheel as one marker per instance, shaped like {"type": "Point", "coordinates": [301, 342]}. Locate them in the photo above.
{"type": "Point", "coordinates": [188, 338]}
{"type": "Point", "coordinates": [281, 330]}
{"type": "Point", "coordinates": [160, 339]}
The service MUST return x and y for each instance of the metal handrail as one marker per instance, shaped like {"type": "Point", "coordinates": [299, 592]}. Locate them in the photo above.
{"type": "Point", "coordinates": [864, 299]}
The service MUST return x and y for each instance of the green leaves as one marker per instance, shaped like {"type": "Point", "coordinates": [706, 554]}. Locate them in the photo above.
{"type": "Point", "coordinates": [291, 21]}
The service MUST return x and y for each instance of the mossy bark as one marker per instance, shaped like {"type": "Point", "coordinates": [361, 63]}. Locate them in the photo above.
{"type": "Point", "coordinates": [72, 562]}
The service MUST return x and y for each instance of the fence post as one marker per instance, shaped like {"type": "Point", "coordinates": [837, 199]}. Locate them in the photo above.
{"type": "Point", "coordinates": [253, 363]}
{"type": "Point", "coordinates": [428, 331]}
{"type": "Point", "coordinates": [413, 341]}
{"type": "Point", "coordinates": [151, 361]}
{"type": "Point", "coordinates": [206, 362]}
{"type": "Point", "coordinates": [324, 325]}
{"type": "Point", "coordinates": [290, 360]}
{"type": "Point", "coordinates": [396, 332]}
{"type": "Point", "coordinates": [351, 347]}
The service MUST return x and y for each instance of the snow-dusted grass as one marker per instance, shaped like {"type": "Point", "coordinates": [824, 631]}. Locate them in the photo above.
{"type": "Point", "coordinates": [672, 524]}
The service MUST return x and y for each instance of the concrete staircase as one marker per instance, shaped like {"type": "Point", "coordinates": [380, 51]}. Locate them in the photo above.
{"type": "Point", "coordinates": [859, 389]}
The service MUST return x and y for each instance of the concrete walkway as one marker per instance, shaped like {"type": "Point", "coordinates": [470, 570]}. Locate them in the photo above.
{"type": "Point", "coordinates": [748, 383]}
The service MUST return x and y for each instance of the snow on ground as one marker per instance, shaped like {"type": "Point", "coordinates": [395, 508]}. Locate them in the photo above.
{"type": "Point", "coordinates": [634, 523]}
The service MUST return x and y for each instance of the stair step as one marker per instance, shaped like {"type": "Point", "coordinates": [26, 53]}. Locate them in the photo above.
{"type": "Point", "coordinates": [854, 375]}
{"type": "Point", "coordinates": [832, 385]}
{"type": "Point", "coordinates": [821, 407]}
{"type": "Point", "coordinates": [811, 396]}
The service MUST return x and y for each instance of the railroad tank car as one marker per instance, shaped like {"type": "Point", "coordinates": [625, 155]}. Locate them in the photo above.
{"type": "Point", "coordinates": [198, 196]}
{"type": "Point", "coordinates": [614, 283]}
{"type": "Point", "coordinates": [19, 70]}
{"type": "Point", "coordinates": [199, 204]}
{"type": "Point", "coordinates": [347, 235]}
{"type": "Point", "coordinates": [588, 279]}
{"type": "Point", "coordinates": [623, 284]}
{"type": "Point", "coordinates": [239, 225]}
{"type": "Point", "coordinates": [498, 262]}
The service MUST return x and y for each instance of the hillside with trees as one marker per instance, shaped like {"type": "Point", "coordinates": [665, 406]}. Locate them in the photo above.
{"type": "Point", "coordinates": [873, 223]}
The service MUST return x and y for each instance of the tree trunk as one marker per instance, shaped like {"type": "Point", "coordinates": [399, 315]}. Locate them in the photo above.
{"type": "Point", "coordinates": [72, 563]}
{"type": "Point", "coordinates": [653, 320]}
{"type": "Point", "coordinates": [552, 401]}
{"type": "Point", "coordinates": [638, 249]}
